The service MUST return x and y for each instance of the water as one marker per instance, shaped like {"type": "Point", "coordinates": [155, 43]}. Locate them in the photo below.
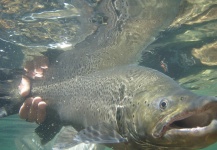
{"type": "Point", "coordinates": [34, 28]}
{"type": "Point", "coordinates": [12, 128]}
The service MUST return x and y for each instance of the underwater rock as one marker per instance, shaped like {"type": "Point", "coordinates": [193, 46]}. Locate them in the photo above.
{"type": "Point", "coordinates": [176, 48]}
{"type": "Point", "coordinates": [207, 54]}
{"type": "Point", "coordinates": [196, 12]}
{"type": "Point", "coordinates": [201, 81]}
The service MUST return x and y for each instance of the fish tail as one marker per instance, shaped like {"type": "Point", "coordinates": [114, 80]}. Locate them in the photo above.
{"type": "Point", "coordinates": [10, 100]}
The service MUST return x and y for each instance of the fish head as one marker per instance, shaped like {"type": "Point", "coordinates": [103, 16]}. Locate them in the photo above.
{"type": "Point", "coordinates": [177, 119]}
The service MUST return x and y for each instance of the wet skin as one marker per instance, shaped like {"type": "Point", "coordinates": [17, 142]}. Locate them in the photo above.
{"type": "Point", "coordinates": [34, 108]}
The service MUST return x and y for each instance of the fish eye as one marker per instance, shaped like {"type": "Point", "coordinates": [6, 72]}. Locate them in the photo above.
{"type": "Point", "coordinates": [163, 104]}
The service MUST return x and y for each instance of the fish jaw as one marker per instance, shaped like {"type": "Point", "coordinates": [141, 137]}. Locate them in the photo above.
{"type": "Point", "coordinates": [193, 128]}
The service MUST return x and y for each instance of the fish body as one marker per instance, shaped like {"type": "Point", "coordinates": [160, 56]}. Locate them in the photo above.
{"type": "Point", "coordinates": [134, 105]}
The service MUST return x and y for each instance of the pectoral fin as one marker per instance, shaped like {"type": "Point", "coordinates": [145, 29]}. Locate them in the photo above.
{"type": "Point", "coordinates": [102, 133]}
{"type": "Point", "coordinates": [65, 138]}
{"type": "Point", "coordinates": [97, 134]}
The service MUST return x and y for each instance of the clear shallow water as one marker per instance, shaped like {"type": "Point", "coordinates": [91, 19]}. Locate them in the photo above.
{"type": "Point", "coordinates": [12, 128]}
{"type": "Point", "coordinates": [197, 31]}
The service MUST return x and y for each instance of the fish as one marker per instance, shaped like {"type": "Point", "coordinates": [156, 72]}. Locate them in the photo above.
{"type": "Point", "coordinates": [130, 107]}
{"type": "Point", "coordinates": [98, 89]}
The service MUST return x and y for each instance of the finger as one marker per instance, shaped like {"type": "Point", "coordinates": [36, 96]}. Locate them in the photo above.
{"type": "Point", "coordinates": [38, 73]}
{"type": "Point", "coordinates": [24, 87]}
{"type": "Point", "coordinates": [40, 64]}
{"type": "Point", "coordinates": [41, 115]}
{"type": "Point", "coordinates": [24, 109]}
{"type": "Point", "coordinates": [32, 115]}
{"type": "Point", "coordinates": [35, 68]}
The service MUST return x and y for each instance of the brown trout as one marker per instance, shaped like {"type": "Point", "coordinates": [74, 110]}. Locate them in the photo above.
{"type": "Point", "coordinates": [93, 89]}
{"type": "Point", "coordinates": [137, 106]}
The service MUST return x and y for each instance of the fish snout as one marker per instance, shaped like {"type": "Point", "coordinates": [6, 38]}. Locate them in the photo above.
{"type": "Point", "coordinates": [190, 125]}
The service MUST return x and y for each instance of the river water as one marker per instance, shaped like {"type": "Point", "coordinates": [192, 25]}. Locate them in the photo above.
{"type": "Point", "coordinates": [186, 50]}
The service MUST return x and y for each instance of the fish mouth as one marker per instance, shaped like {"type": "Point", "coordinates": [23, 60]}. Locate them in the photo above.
{"type": "Point", "coordinates": [201, 121]}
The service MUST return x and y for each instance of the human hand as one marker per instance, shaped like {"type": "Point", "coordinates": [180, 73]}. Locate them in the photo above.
{"type": "Point", "coordinates": [33, 110]}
